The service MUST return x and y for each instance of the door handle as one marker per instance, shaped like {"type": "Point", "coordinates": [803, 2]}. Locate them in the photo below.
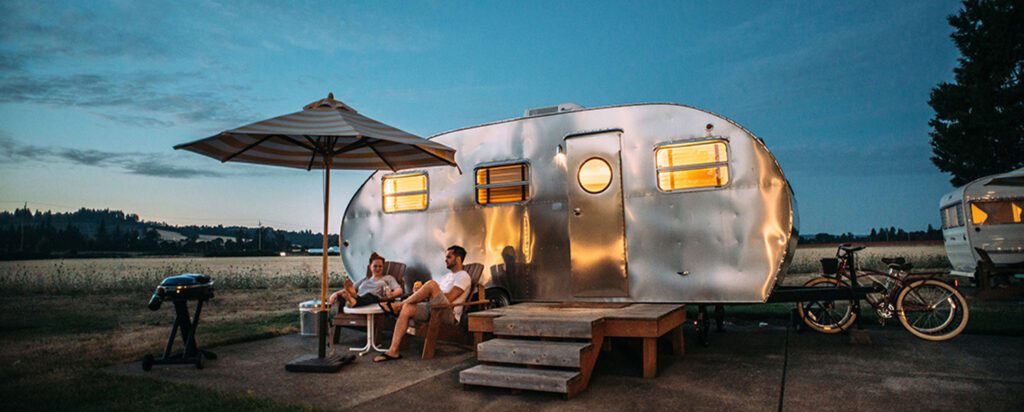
{"type": "Point", "coordinates": [576, 211]}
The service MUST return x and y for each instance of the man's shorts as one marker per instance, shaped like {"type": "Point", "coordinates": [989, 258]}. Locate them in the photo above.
{"type": "Point", "coordinates": [423, 310]}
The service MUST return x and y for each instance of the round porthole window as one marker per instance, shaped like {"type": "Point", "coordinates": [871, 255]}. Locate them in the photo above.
{"type": "Point", "coordinates": [594, 175]}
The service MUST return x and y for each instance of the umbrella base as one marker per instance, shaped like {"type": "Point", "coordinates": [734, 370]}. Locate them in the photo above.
{"type": "Point", "coordinates": [315, 364]}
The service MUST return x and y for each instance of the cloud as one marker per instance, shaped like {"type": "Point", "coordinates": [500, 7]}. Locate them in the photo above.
{"type": "Point", "coordinates": [177, 63]}
{"type": "Point", "coordinates": [161, 169]}
{"type": "Point", "coordinates": [40, 31]}
{"type": "Point", "coordinates": [137, 163]}
{"type": "Point", "coordinates": [135, 120]}
{"type": "Point", "coordinates": [141, 99]}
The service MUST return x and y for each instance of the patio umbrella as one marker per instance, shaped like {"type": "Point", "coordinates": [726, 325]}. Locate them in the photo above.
{"type": "Point", "coordinates": [327, 134]}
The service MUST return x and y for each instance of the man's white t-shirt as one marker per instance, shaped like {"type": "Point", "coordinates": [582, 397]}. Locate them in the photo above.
{"type": "Point", "coordinates": [451, 280]}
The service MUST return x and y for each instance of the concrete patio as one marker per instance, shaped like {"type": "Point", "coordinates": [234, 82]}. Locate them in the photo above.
{"type": "Point", "coordinates": [742, 369]}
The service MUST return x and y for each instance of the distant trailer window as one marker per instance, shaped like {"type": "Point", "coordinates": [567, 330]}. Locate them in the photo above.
{"type": "Point", "coordinates": [693, 165]}
{"type": "Point", "coordinates": [405, 192]}
{"type": "Point", "coordinates": [507, 183]}
{"type": "Point", "coordinates": [953, 216]}
{"type": "Point", "coordinates": [997, 212]}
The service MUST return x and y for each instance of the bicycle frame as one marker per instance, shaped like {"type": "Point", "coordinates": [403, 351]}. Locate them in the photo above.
{"type": "Point", "coordinates": [897, 280]}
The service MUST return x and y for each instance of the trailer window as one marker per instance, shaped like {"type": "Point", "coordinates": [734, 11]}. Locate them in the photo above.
{"type": "Point", "coordinates": [692, 165]}
{"type": "Point", "coordinates": [997, 212]}
{"type": "Point", "coordinates": [953, 216]}
{"type": "Point", "coordinates": [405, 192]}
{"type": "Point", "coordinates": [508, 183]}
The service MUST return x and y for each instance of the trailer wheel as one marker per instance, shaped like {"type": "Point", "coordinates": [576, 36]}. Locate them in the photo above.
{"type": "Point", "coordinates": [827, 316]}
{"type": "Point", "coordinates": [498, 297]}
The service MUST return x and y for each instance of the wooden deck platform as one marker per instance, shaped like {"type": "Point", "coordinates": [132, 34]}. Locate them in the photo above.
{"type": "Point", "coordinates": [584, 320]}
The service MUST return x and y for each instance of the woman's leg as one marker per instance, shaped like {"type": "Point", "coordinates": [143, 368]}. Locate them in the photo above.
{"type": "Point", "coordinates": [350, 288]}
{"type": "Point", "coordinates": [349, 300]}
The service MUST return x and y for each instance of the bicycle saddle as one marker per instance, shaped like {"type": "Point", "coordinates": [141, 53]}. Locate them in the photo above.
{"type": "Point", "coordinates": [896, 260]}
{"type": "Point", "coordinates": [898, 263]}
{"type": "Point", "coordinates": [848, 248]}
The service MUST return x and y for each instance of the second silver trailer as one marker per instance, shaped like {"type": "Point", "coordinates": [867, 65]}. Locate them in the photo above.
{"type": "Point", "coordinates": [985, 214]}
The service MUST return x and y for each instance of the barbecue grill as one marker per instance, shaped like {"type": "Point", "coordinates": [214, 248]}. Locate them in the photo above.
{"type": "Point", "coordinates": [179, 290]}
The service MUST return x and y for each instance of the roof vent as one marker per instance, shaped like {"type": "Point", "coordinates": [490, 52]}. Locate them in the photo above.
{"type": "Point", "coordinates": [564, 107]}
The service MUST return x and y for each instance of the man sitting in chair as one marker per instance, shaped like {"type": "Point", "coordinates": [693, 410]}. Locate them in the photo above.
{"type": "Point", "coordinates": [448, 291]}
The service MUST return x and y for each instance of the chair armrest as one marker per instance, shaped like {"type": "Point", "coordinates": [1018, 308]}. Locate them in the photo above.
{"type": "Point", "coordinates": [448, 306]}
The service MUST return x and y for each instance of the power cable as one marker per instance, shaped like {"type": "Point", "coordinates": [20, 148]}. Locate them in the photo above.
{"type": "Point", "coordinates": [785, 359]}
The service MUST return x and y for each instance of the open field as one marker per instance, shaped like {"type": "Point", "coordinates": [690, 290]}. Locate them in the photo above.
{"type": "Point", "coordinates": [929, 256]}
{"type": "Point", "coordinates": [71, 276]}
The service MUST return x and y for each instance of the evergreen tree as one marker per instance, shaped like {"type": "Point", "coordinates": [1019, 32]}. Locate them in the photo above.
{"type": "Point", "coordinates": [978, 128]}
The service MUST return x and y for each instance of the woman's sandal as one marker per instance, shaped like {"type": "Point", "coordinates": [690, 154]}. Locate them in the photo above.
{"type": "Point", "coordinates": [388, 309]}
{"type": "Point", "coordinates": [384, 357]}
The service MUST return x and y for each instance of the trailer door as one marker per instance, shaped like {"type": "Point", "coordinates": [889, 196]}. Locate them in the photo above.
{"type": "Point", "coordinates": [597, 240]}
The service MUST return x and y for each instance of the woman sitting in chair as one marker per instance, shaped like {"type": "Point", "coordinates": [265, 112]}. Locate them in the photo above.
{"type": "Point", "coordinates": [374, 288]}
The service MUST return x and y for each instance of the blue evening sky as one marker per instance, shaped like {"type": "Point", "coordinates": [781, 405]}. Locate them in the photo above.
{"type": "Point", "coordinates": [94, 94]}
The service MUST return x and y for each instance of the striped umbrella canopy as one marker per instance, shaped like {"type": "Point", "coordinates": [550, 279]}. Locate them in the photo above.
{"type": "Point", "coordinates": [327, 134]}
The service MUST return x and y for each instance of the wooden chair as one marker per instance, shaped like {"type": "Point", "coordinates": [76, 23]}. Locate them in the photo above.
{"type": "Point", "coordinates": [434, 329]}
{"type": "Point", "coordinates": [358, 322]}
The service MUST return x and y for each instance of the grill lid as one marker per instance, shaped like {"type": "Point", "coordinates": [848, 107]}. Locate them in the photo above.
{"type": "Point", "coordinates": [188, 279]}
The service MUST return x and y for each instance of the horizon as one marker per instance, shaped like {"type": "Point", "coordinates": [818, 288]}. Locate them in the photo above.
{"type": "Point", "coordinates": [315, 232]}
{"type": "Point", "coordinates": [94, 95]}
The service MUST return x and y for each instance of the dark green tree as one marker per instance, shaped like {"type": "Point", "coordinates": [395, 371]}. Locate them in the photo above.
{"type": "Point", "coordinates": [978, 128]}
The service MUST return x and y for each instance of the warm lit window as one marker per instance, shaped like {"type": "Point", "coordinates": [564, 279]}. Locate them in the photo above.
{"type": "Point", "coordinates": [953, 216]}
{"type": "Point", "coordinates": [507, 183]}
{"type": "Point", "coordinates": [594, 175]}
{"type": "Point", "coordinates": [693, 165]}
{"type": "Point", "coordinates": [997, 212]}
{"type": "Point", "coordinates": [405, 192]}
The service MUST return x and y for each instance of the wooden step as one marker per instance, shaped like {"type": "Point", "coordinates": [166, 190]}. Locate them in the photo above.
{"type": "Point", "coordinates": [544, 380]}
{"type": "Point", "coordinates": [547, 327]}
{"type": "Point", "coordinates": [529, 352]}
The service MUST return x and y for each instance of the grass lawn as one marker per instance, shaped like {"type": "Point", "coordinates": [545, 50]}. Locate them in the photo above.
{"type": "Point", "coordinates": [51, 347]}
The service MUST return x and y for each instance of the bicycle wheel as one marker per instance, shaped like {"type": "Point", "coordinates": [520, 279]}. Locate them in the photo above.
{"type": "Point", "coordinates": [826, 316]}
{"type": "Point", "coordinates": [932, 310]}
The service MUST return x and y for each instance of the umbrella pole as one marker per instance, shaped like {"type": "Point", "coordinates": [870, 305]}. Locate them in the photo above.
{"type": "Point", "coordinates": [322, 351]}
{"type": "Point", "coordinates": [322, 363]}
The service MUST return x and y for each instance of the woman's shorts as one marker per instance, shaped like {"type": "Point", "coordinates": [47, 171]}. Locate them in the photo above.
{"type": "Point", "coordinates": [367, 299]}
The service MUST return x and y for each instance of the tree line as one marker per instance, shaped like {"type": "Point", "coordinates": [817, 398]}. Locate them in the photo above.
{"type": "Point", "coordinates": [89, 232]}
{"type": "Point", "coordinates": [890, 234]}
{"type": "Point", "coordinates": [41, 234]}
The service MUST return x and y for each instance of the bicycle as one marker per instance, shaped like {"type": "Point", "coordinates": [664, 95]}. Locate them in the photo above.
{"type": "Point", "coordinates": [927, 307]}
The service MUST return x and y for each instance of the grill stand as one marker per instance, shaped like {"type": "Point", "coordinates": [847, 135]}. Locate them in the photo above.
{"type": "Point", "coordinates": [191, 353]}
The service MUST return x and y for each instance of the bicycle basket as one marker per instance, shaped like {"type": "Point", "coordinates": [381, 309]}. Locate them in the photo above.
{"type": "Point", "coordinates": [830, 266]}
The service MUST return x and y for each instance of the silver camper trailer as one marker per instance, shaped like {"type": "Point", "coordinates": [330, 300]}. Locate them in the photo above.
{"type": "Point", "coordinates": [984, 214]}
{"type": "Point", "coordinates": [632, 203]}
